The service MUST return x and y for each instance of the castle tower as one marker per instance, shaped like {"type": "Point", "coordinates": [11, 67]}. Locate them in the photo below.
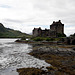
{"type": "Point", "coordinates": [57, 26]}
{"type": "Point", "coordinates": [37, 32]}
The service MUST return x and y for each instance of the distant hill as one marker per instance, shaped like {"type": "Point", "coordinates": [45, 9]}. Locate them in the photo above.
{"type": "Point", "coordinates": [10, 33]}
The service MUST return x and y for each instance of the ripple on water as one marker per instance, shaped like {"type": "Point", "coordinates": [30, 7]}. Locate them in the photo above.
{"type": "Point", "coordinates": [15, 56]}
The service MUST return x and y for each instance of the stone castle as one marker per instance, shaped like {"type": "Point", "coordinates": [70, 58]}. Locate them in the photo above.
{"type": "Point", "coordinates": [55, 29]}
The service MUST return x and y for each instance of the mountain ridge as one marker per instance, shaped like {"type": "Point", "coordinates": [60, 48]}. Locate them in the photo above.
{"type": "Point", "coordinates": [10, 33]}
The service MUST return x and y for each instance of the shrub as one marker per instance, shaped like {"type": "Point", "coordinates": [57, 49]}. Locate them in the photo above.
{"type": "Point", "coordinates": [61, 35]}
{"type": "Point", "coordinates": [52, 39]}
{"type": "Point", "coordinates": [23, 38]}
{"type": "Point", "coordinates": [48, 39]}
{"type": "Point", "coordinates": [72, 35]}
{"type": "Point", "coordinates": [38, 39]}
{"type": "Point", "coordinates": [43, 38]}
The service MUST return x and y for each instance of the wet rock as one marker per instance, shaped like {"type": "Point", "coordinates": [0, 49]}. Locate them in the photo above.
{"type": "Point", "coordinates": [61, 58]}
{"type": "Point", "coordinates": [73, 48]}
{"type": "Point", "coordinates": [31, 71]}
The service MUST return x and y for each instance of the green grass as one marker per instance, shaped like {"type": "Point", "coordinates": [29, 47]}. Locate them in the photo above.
{"type": "Point", "coordinates": [44, 39]}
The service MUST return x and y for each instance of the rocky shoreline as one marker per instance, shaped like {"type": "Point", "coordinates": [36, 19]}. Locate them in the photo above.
{"type": "Point", "coordinates": [61, 57]}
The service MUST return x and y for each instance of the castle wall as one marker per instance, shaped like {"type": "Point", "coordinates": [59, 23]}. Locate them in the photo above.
{"type": "Point", "coordinates": [58, 27]}
{"type": "Point", "coordinates": [55, 27]}
{"type": "Point", "coordinates": [52, 33]}
{"type": "Point", "coordinates": [45, 32]}
{"type": "Point", "coordinates": [37, 32]}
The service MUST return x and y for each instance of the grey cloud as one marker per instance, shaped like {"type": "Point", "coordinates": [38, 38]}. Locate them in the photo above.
{"type": "Point", "coordinates": [40, 13]}
{"type": "Point", "coordinates": [5, 6]}
{"type": "Point", "coordinates": [12, 20]}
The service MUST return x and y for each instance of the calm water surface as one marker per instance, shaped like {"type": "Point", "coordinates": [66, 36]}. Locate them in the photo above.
{"type": "Point", "coordinates": [14, 55]}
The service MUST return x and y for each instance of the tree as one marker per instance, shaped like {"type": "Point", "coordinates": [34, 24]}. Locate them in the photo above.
{"type": "Point", "coordinates": [72, 35]}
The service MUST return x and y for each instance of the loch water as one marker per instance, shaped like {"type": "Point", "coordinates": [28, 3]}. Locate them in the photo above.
{"type": "Point", "coordinates": [15, 55]}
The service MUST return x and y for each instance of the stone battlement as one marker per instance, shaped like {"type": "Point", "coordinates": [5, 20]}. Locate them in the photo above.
{"type": "Point", "coordinates": [55, 28]}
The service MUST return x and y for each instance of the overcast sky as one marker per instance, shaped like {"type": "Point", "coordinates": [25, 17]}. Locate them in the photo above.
{"type": "Point", "coordinates": [24, 15]}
